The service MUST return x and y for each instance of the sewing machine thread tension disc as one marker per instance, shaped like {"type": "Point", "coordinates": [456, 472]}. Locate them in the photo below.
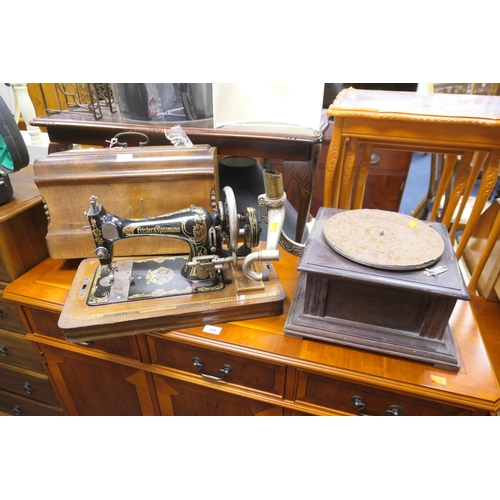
{"type": "Point", "coordinates": [383, 239]}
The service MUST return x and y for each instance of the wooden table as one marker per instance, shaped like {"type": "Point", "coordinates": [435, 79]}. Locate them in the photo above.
{"type": "Point", "coordinates": [272, 374]}
{"type": "Point", "coordinates": [408, 121]}
{"type": "Point", "coordinates": [298, 149]}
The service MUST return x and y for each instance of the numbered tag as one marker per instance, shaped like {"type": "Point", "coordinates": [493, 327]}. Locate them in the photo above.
{"type": "Point", "coordinates": [215, 330]}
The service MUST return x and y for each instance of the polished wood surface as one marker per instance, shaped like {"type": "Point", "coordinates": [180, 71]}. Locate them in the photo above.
{"type": "Point", "coordinates": [299, 149]}
{"type": "Point", "coordinates": [473, 390]}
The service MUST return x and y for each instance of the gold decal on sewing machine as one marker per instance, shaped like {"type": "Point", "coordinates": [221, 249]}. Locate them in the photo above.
{"type": "Point", "coordinates": [96, 231]}
{"type": "Point", "coordinates": [131, 230]}
{"type": "Point", "coordinates": [199, 229]}
{"type": "Point", "coordinates": [160, 276]}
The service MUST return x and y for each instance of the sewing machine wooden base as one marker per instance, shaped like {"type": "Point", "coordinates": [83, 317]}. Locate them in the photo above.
{"type": "Point", "coordinates": [241, 298]}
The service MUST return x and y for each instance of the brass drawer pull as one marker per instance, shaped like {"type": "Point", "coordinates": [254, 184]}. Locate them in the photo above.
{"type": "Point", "coordinates": [27, 388]}
{"type": "Point", "coordinates": [3, 350]}
{"type": "Point", "coordinates": [224, 371]}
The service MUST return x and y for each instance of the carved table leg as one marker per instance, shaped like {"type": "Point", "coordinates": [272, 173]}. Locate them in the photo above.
{"type": "Point", "coordinates": [304, 173]}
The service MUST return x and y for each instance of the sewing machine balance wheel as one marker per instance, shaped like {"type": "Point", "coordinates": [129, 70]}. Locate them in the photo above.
{"type": "Point", "coordinates": [230, 224]}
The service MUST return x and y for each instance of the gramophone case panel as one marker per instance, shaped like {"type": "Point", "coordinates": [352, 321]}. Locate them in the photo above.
{"type": "Point", "coordinates": [133, 182]}
{"type": "Point", "coordinates": [403, 313]}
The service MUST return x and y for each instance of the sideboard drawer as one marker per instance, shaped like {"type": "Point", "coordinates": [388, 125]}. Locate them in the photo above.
{"type": "Point", "coordinates": [13, 404]}
{"type": "Point", "coordinates": [342, 395]}
{"type": "Point", "coordinates": [15, 350]}
{"type": "Point", "coordinates": [9, 317]}
{"type": "Point", "coordinates": [262, 376]}
{"type": "Point", "coordinates": [45, 323]}
{"type": "Point", "coordinates": [28, 384]}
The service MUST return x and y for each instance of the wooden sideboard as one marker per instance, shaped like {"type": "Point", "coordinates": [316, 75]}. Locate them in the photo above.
{"type": "Point", "coordinates": [175, 373]}
{"type": "Point", "coordinates": [24, 387]}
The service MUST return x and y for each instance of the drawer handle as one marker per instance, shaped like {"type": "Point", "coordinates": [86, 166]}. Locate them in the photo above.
{"type": "Point", "coordinates": [16, 410]}
{"type": "Point", "coordinates": [85, 343]}
{"type": "Point", "coordinates": [27, 388]}
{"type": "Point", "coordinates": [1, 314]}
{"type": "Point", "coordinates": [394, 410]}
{"type": "Point", "coordinates": [224, 371]}
{"type": "Point", "coordinates": [360, 405]}
{"type": "Point", "coordinates": [3, 350]}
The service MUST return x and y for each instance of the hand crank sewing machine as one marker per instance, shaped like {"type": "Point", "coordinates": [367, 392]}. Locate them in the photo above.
{"type": "Point", "coordinates": [220, 275]}
{"type": "Point", "coordinates": [212, 239]}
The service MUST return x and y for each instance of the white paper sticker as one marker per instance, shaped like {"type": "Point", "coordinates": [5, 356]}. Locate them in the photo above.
{"type": "Point", "coordinates": [215, 330]}
{"type": "Point", "coordinates": [127, 157]}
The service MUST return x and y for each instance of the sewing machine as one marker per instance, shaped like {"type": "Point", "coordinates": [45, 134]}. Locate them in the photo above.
{"type": "Point", "coordinates": [212, 240]}
{"type": "Point", "coordinates": [219, 277]}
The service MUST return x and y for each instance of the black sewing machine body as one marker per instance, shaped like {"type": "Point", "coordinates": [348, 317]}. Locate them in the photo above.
{"type": "Point", "coordinates": [212, 244]}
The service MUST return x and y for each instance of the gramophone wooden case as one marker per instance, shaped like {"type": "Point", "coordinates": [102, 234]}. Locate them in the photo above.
{"type": "Point", "coordinates": [400, 313]}
{"type": "Point", "coordinates": [133, 182]}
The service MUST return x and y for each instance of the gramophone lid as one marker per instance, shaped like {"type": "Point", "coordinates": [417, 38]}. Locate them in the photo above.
{"type": "Point", "coordinates": [383, 239]}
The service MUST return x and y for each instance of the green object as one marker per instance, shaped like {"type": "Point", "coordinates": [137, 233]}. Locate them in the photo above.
{"type": "Point", "coordinates": [5, 156]}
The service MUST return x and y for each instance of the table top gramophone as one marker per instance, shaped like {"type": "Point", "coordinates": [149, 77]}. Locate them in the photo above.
{"type": "Point", "coordinates": [380, 281]}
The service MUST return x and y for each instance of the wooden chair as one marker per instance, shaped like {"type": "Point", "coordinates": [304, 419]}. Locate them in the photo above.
{"type": "Point", "coordinates": [453, 125]}
{"type": "Point", "coordinates": [422, 210]}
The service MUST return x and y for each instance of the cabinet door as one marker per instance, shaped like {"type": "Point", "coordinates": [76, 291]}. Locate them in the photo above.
{"type": "Point", "coordinates": [177, 397]}
{"type": "Point", "coordinates": [91, 386]}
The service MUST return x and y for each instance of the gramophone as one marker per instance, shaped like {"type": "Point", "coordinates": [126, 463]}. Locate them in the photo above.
{"type": "Point", "coordinates": [380, 281]}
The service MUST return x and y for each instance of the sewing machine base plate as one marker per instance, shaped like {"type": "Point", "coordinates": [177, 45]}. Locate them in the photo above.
{"type": "Point", "coordinates": [237, 300]}
{"type": "Point", "coordinates": [145, 279]}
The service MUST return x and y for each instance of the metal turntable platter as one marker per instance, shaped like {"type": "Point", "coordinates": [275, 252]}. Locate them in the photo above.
{"type": "Point", "coordinates": [384, 240]}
